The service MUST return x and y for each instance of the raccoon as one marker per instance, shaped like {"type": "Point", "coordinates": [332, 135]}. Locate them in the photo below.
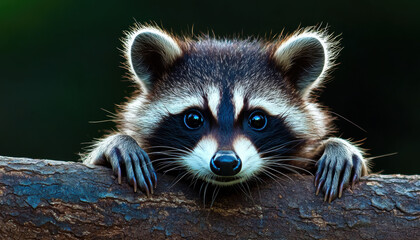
{"type": "Point", "coordinates": [227, 111]}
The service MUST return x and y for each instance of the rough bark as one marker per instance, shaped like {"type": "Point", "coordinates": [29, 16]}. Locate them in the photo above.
{"type": "Point", "coordinates": [43, 199]}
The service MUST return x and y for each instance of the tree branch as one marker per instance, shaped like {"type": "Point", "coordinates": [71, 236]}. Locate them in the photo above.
{"type": "Point", "coordinates": [67, 200]}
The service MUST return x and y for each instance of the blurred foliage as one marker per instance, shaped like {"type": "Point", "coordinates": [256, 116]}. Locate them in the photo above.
{"type": "Point", "coordinates": [60, 65]}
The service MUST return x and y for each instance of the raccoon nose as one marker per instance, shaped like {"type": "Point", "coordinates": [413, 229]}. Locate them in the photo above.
{"type": "Point", "coordinates": [225, 163]}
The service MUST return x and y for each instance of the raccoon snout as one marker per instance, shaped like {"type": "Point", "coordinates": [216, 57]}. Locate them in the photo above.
{"type": "Point", "coordinates": [225, 163]}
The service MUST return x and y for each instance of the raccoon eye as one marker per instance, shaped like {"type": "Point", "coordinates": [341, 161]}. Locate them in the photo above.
{"type": "Point", "coordinates": [257, 120]}
{"type": "Point", "coordinates": [193, 119]}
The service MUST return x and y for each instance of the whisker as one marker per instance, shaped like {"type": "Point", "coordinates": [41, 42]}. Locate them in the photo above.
{"type": "Point", "coordinates": [172, 169]}
{"type": "Point", "coordinates": [241, 187]}
{"type": "Point", "coordinates": [272, 176]}
{"type": "Point", "coordinates": [171, 150]}
{"type": "Point", "coordinates": [178, 180]}
{"type": "Point", "coordinates": [380, 156]}
{"type": "Point", "coordinates": [267, 142]}
{"type": "Point", "coordinates": [163, 166]}
{"type": "Point", "coordinates": [205, 191]}
{"type": "Point", "coordinates": [348, 121]}
{"type": "Point", "coordinates": [288, 166]}
{"type": "Point", "coordinates": [109, 112]}
{"type": "Point", "coordinates": [249, 191]}
{"type": "Point", "coordinates": [215, 193]}
{"type": "Point", "coordinates": [280, 159]}
{"type": "Point", "coordinates": [278, 147]}
{"type": "Point", "coordinates": [199, 192]}
{"type": "Point", "coordinates": [168, 159]}
{"type": "Point", "coordinates": [163, 159]}
{"type": "Point", "coordinates": [277, 171]}
{"type": "Point", "coordinates": [186, 149]}
{"type": "Point", "coordinates": [194, 180]}
{"type": "Point", "coordinates": [258, 188]}
{"type": "Point", "coordinates": [102, 121]}
{"type": "Point", "coordinates": [260, 180]}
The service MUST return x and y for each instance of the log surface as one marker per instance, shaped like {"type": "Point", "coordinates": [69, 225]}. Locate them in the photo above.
{"type": "Point", "coordinates": [44, 199]}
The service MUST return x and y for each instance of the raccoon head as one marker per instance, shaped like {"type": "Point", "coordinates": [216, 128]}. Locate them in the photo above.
{"type": "Point", "coordinates": [226, 111]}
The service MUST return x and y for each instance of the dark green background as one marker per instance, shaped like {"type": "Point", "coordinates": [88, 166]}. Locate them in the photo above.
{"type": "Point", "coordinates": [60, 65]}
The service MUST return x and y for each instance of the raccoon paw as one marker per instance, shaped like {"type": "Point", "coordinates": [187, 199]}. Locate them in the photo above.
{"type": "Point", "coordinates": [122, 151]}
{"type": "Point", "coordinates": [341, 164]}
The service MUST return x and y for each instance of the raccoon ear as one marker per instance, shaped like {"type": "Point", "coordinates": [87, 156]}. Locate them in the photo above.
{"type": "Point", "coordinates": [303, 60]}
{"type": "Point", "coordinates": [150, 53]}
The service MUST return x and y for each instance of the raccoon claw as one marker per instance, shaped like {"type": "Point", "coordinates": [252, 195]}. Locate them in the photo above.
{"type": "Point", "coordinates": [335, 167]}
{"type": "Point", "coordinates": [121, 152]}
{"type": "Point", "coordinates": [119, 175]}
{"type": "Point", "coordinates": [334, 177]}
{"type": "Point", "coordinates": [319, 187]}
{"type": "Point", "coordinates": [340, 190]}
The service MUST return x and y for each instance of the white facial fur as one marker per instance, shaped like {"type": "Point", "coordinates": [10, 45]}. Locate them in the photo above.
{"type": "Point", "coordinates": [146, 115]}
{"type": "Point", "coordinates": [198, 161]}
{"type": "Point", "coordinates": [213, 96]}
{"type": "Point", "coordinates": [293, 116]}
{"type": "Point", "coordinates": [238, 101]}
{"type": "Point", "coordinates": [251, 160]}
{"type": "Point", "coordinates": [164, 107]}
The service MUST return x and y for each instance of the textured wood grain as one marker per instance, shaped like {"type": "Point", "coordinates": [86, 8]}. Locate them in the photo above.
{"type": "Point", "coordinates": [43, 199]}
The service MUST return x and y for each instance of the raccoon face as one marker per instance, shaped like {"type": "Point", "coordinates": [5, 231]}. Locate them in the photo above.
{"type": "Point", "coordinates": [225, 111]}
